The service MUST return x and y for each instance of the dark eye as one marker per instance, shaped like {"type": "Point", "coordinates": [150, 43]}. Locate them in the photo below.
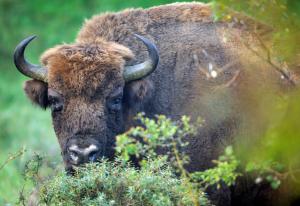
{"type": "Point", "coordinates": [54, 100]}
{"type": "Point", "coordinates": [116, 103]}
{"type": "Point", "coordinates": [93, 156]}
{"type": "Point", "coordinates": [55, 104]}
{"type": "Point", "coordinates": [115, 99]}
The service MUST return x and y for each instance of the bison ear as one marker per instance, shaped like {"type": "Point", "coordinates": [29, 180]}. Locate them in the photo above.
{"type": "Point", "coordinates": [37, 92]}
{"type": "Point", "coordinates": [138, 93]}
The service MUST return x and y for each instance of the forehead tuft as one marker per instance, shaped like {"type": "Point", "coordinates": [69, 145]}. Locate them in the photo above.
{"type": "Point", "coordinates": [76, 66]}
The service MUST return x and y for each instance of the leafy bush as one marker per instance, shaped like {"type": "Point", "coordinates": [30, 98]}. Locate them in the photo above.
{"type": "Point", "coordinates": [118, 183]}
{"type": "Point", "coordinates": [160, 137]}
{"type": "Point", "coordinates": [160, 180]}
{"type": "Point", "coordinates": [225, 171]}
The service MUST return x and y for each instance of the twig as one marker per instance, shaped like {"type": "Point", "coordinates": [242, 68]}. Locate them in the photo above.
{"type": "Point", "coordinates": [22, 198]}
{"type": "Point", "coordinates": [244, 16]}
{"type": "Point", "coordinates": [184, 174]}
{"type": "Point", "coordinates": [13, 157]}
{"type": "Point", "coordinates": [268, 60]}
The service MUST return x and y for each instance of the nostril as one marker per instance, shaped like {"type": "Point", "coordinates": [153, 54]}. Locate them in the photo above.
{"type": "Point", "coordinates": [93, 156]}
{"type": "Point", "coordinates": [74, 155]}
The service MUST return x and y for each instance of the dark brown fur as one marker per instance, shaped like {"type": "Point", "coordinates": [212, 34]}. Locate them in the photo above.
{"type": "Point", "coordinates": [37, 92]}
{"type": "Point", "coordinates": [85, 75]}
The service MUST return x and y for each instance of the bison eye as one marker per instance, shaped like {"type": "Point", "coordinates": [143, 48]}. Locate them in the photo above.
{"type": "Point", "coordinates": [55, 105]}
{"type": "Point", "coordinates": [54, 101]}
{"type": "Point", "coordinates": [117, 101]}
{"type": "Point", "coordinates": [115, 104]}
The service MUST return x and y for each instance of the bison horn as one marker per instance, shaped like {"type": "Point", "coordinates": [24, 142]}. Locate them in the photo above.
{"type": "Point", "coordinates": [141, 70]}
{"type": "Point", "coordinates": [26, 68]}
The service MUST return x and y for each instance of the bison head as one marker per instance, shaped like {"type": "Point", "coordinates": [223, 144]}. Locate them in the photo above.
{"type": "Point", "coordinates": [88, 89]}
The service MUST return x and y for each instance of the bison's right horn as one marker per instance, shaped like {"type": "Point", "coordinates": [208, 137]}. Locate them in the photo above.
{"type": "Point", "coordinates": [26, 68]}
{"type": "Point", "coordinates": [141, 70]}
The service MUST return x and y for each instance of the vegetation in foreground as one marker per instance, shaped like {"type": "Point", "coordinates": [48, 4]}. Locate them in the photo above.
{"type": "Point", "coordinates": [159, 180]}
{"type": "Point", "coordinates": [119, 184]}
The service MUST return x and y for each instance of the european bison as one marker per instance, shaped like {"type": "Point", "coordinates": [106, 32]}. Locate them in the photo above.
{"type": "Point", "coordinates": [95, 86]}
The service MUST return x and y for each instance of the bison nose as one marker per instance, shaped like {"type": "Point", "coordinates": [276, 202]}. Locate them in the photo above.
{"type": "Point", "coordinates": [83, 155]}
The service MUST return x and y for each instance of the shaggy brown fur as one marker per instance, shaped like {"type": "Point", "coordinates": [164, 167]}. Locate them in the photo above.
{"type": "Point", "coordinates": [86, 78]}
{"type": "Point", "coordinates": [114, 26]}
{"type": "Point", "coordinates": [75, 65]}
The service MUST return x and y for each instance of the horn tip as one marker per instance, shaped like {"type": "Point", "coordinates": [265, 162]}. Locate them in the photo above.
{"type": "Point", "coordinates": [141, 38]}
{"type": "Point", "coordinates": [30, 38]}
{"type": "Point", "coordinates": [21, 46]}
{"type": "Point", "coordinates": [147, 42]}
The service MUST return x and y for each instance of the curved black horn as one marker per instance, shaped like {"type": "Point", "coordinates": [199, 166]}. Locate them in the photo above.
{"type": "Point", "coordinates": [141, 70]}
{"type": "Point", "coordinates": [26, 68]}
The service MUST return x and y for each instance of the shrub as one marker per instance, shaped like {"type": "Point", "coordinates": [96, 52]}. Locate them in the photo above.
{"type": "Point", "coordinates": [118, 183]}
{"type": "Point", "coordinates": [160, 180]}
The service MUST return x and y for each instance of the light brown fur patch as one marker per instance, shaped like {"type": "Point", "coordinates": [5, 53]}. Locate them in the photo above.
{"type": "Point", "coordinates": [80, 64]}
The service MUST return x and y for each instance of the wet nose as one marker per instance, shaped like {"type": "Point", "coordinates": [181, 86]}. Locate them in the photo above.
{"type": "Point", "coordinates": [83, 155]}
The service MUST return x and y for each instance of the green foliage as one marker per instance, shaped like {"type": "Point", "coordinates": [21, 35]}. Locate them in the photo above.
{"type": "Point", "coordinates": [274, 154]}
{"type": "Point", "coordinates": [267, 170]}
{"type": "Point", "coordinates": [32, 167]}
{"type": "Point", "coordinates": [147, 142]}
{"type": "Point", "coordinates": [275, 158]}
{"type": "Point", "coordinates": [283, 16]}
{"type": "Point", "coordinates": [118, 184]}
{"type": "Point", "coordinates": [160, 137]}
{"type": "Point", "coordinates": [157, 182]}
{"type": "Point", "coordinates": [225, 171]}
{"type": "Point", "coordinates": [155, 134]}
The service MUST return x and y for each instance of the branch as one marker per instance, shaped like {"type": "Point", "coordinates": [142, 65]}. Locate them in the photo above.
{"type": "Point", "coordinates": [269, 60]}
{"type": "Point", "coordinates": [13, 157]}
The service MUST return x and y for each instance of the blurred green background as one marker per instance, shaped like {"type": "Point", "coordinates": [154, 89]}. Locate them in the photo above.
{"type": "Point", "coordinates": [21, 123]}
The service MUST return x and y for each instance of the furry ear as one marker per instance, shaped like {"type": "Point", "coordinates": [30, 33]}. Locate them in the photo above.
{"type": "Point", "coordinates": [37, 92]}
{"type": "Point", "coordinates": [138, 93]}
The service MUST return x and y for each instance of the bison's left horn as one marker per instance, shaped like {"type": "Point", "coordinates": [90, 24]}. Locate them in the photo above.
{"type": "Point", "coordinates": [141, 70]}
{"type": "Point", "coordinates": [26, 68]}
